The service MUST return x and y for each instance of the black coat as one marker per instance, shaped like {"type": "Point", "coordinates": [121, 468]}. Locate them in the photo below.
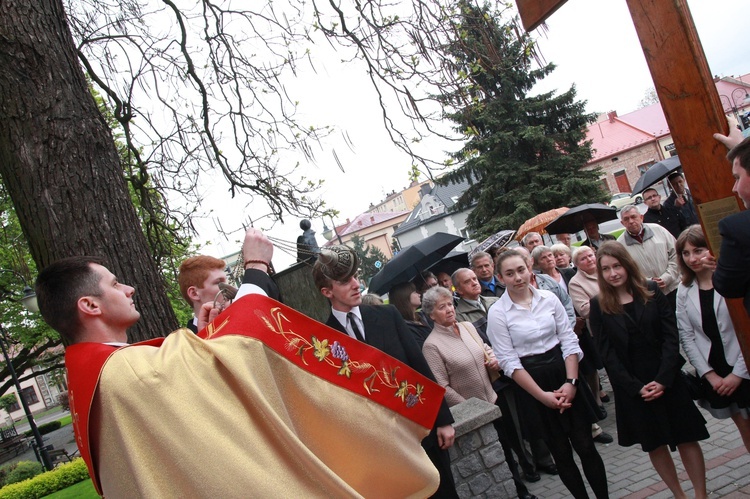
{"type": "Point", "coordinates": [668, 217]}
{"type": "Point", "coordinates": [387, 331]}
{"type": "Point", "coordinates": [732, 276]}
{"type": "Point", "coordinates": [656, 320]}
{"type": "Point", "coordinates": [602, 238]}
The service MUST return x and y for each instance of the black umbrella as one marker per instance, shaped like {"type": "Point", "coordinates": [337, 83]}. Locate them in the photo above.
{"type": "Point", "coordinates": [451, 262]}
{"type": "Point", "coordinates": [572, 220]}
{"type": "Point", "coordinates": [412, 260]}
{"type": "Point", "coordinates": [657, 172]}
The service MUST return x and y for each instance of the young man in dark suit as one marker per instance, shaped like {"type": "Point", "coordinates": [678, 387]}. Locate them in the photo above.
{"type": "Point", "coordinates": [381, 326]}
{"type": "Point", "coordinates": [732, 276]}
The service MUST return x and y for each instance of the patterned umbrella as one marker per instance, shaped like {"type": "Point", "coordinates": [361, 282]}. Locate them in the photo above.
{"type": "Point", "coordinates": [500, 238]}
{"type": "Point", "coordinates": [539, 222]}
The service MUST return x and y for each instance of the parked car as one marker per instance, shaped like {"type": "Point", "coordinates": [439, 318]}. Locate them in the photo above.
{"type": "Point", "coordinates": [625, 198]}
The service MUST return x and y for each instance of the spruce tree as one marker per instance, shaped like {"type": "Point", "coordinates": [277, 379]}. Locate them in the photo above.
{"type": "Point", "coordinates": [523, 155]}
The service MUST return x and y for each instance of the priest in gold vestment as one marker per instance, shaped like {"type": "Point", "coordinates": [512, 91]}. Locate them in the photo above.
{"type": "Point", "coordinates": [264, 402]}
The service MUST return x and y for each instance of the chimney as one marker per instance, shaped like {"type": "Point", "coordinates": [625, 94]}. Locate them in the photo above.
{"type": "Point", "coordinates": [425, 189]}
{"type": "Point", "coordinates": [612, 115]}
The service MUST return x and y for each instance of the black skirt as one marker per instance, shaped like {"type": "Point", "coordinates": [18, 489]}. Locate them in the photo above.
{"type": "Point", "coordinates": [539, 421]}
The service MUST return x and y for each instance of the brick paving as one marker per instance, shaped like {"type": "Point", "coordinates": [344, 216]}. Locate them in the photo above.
{"type": "Point", "coordinates": [631, 475]}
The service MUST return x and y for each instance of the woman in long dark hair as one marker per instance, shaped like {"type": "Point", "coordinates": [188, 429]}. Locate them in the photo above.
{"type": "Point", "coordinates": [635, 329]}
{"type": "Point", "coordinates": [407, 301]}
{"type": "Point", "coordinates": [707, 335]}
{"type": "Point", "coordinates": [535, 345]}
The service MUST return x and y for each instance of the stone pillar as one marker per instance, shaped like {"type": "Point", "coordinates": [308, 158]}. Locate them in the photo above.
{"type": "Point", "coordinates": [477, 458]}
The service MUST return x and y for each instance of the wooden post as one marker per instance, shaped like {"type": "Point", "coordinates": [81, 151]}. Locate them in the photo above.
{"type": "Point", "coordinates": [692, 108]}
{"type": "Point", "coordinates": [694, 112]}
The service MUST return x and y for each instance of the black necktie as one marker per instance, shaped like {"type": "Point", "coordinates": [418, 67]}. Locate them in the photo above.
{"type": "Point", "coordinates": [350, 316]}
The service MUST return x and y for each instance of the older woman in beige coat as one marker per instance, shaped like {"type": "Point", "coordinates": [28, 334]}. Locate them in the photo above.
{"type": "Point", "coordinates": [460, 361]}
{"type": "Point", "coordinates": [457, 356]}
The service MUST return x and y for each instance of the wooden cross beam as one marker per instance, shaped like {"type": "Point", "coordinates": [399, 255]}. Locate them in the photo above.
{"type": "Point", "coordinates": [691, 105]}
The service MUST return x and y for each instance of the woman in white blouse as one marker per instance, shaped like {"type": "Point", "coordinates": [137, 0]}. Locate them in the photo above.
{"type": "Point", "coordinates": [536, 347]}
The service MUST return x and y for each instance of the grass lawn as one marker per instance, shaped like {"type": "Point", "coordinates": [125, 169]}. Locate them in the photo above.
{"type": "Point", "coordinates": [66, 420]}
{"type": "Point", "coordinates": [82, 490]}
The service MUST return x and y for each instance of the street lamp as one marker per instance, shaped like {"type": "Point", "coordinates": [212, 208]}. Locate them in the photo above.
{"type": "Point", "coordinates": [29, 302]}
{"type": "Point", "coordinates": [732, 103]}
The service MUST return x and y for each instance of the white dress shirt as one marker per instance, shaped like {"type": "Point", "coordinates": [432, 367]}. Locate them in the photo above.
{"type": "Point", "coordinates": [343, 319]}
{"type": "Point", "coordinates": [517, 332]}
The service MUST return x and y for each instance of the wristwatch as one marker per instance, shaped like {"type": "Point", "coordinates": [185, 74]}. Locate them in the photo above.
{"type": "Point", "coordinates": [572, 381]}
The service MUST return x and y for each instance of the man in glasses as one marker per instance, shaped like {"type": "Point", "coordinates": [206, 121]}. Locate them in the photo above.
{"type": "Point", "coordinates": [668, 217]}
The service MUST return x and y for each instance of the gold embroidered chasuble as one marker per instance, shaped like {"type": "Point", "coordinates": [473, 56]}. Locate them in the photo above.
{"type": "Point", "coordinates": [291, 409]}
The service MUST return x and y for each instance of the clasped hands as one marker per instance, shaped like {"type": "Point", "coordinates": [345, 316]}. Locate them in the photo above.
{"type": "Point", "coordinates": [561, 399]}
{"type": "Point", "coordinates": [723, 386]}
{"type": "Point", "coordinates": [652, 391]}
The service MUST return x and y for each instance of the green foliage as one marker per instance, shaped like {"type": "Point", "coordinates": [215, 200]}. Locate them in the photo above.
{"type": "Point", "coordinates": [523, 155]}
{"type": "Point", "coordinates": [368, 255]}
{"type": "Point", "coordinates": [23, 471]}
{"type": "Point", "coordinates": [4, 470]}
{"type": "Point", "coordinates": [46, 483]}
{"type": "Point", "coordinates": [31, 341]}
{"type": "Point", "coordinates": [8, 400]}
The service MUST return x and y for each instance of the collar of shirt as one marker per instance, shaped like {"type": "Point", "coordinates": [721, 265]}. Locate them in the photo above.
{"type": "Point", "coordinates": [475, 303]}
{"type": "Point", "coordinates": [536, 296]}
{"type": "Point", "coordinates": [489, 284]}
{"type": "Point", "coordinates": [342, 318]}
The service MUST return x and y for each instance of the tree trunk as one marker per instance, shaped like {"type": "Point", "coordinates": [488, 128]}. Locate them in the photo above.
{"type": "Point", "coordinates": [59, 162]}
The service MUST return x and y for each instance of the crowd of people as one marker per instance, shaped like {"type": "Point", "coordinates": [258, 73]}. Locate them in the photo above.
{"type": "Point", "coordinates": [528, 329]}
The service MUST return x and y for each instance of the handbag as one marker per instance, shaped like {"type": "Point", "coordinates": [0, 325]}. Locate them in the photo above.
{"type": "Point", "coordinates": [694, 385]}
{"type": "Point", "coordinates": [494, 375]}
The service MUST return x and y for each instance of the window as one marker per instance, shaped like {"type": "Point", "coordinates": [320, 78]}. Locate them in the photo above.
{"type": "Point", "coordinates": [29, 395]}
{"type": "Point", "coordinates": [644, 167]}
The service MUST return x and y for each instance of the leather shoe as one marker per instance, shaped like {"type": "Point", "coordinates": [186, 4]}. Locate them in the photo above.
{"type": "Point", "coordinates": [604, 398]}
{"type": "Point", "coordinates": [527, 496]}
{"type": "Point", "coordinates": [604, 438]}
{"type": "Point", "coordinates": [531, 476]}
{"type": "Point", "coordinates": [550, 470]}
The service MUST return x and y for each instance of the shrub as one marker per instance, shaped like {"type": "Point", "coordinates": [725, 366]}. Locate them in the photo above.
{"type": "Point", "coordinates": [24, 471]}
{"type": "Point", "coordinates": [64, 401]}
{"type": "Point", "coordinates": [45, 484]}
{"type": "Point", "coordinates": [4, 470]}
{"type": "Point", "coordinates": [49, 427]}
{"type": "Point", "coordinates": [45, 428]}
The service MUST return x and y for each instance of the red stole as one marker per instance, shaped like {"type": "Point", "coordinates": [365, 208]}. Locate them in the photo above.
{"type": "Point", "coordinates": [314, 347]}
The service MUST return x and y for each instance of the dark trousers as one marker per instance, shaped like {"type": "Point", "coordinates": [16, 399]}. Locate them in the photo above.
{"type": "Point", "coordinates": [500, 428]}
{"type": "Point", "coordinates": [442, 461]}
{"type": "Point", "coordinates": [579, 438]}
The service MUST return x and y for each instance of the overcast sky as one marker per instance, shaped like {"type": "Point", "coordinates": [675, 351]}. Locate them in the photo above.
{"type": "Point", "coordinates": [592, 43]}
